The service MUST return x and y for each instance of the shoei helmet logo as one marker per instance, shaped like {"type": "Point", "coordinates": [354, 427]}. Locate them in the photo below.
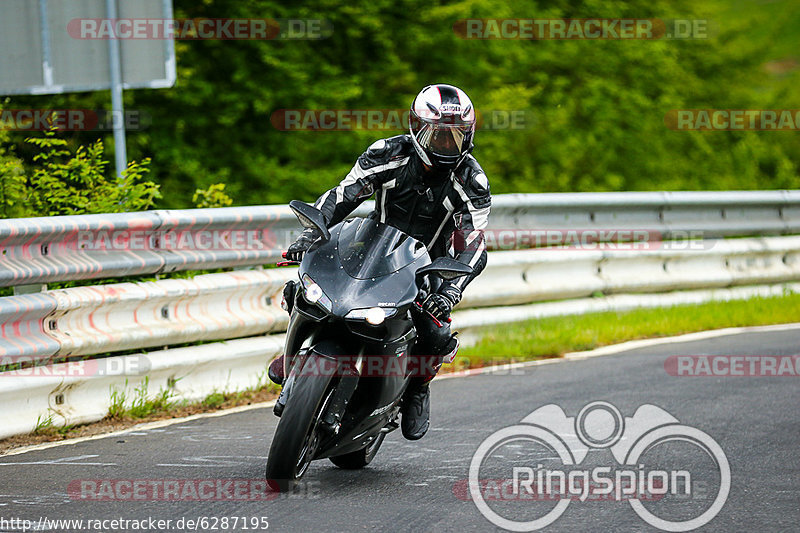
{"type": "Point", "coordinates": [675, 477]}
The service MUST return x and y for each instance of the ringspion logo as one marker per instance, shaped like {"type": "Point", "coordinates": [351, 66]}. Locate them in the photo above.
{"type": "Point", "coordinates": [523, 477]}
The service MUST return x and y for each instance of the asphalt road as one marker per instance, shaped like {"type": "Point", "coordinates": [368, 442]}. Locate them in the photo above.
{"type": "Point", "coordinates": [410, 485]}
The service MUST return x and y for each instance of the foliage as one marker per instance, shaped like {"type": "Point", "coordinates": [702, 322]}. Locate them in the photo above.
{"type": "Point", "coordinates": [596, 107]}
{"type": "Point", "coordinates": [213, 196]}
{"type": "Point", "coordinates": [12, 176]}
{"type": "Point", "coordinates": [62, 183]}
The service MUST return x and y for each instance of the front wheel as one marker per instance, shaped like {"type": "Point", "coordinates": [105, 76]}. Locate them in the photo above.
{"type": "Point", "coordinates": [297, 436]}
{"type": "Point", "coordinates": [360, 458]}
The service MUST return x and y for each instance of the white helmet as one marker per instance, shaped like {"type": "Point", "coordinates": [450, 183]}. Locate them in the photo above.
{"type": "Point", "coordinates": [442, 125]}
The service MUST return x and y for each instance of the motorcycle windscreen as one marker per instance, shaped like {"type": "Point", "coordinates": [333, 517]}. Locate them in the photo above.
{"type": "Point", "coordinates": [370, 249]}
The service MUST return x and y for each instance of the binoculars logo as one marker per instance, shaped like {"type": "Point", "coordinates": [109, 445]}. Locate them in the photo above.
{"type": "Point", "coordinates": [656, 494]}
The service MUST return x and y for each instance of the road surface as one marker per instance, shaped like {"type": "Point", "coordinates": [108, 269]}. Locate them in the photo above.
{"type": "Point", "coordinates": [410, 485]}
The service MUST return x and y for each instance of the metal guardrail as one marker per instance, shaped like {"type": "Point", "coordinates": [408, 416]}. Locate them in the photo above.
{"type": "Point", "coordinates": [519, 277]}
{"type": "Point", "coordinates": [45, 250]}
{"type": "Point", "coordinates": [124, 316]}
{"type": "Point", "coordinates": [242, 305]}
{"type": "Point", "coordinates": [69, 394]}
{"type": "Point", "coordinates": [672, 214]}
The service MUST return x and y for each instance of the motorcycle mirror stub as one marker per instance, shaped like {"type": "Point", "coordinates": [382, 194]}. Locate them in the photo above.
{"type": "Point", "coordinates": [446, 268]}
{"type": "Point", "coordinates": [310, 217]}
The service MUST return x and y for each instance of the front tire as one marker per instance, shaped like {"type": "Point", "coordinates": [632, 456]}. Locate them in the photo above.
{"type": "Point", "coordinates": [360, 458]}
{"type": "Point", "coordinates": [297, 435]}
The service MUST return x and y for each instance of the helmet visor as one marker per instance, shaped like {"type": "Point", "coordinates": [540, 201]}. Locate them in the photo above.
{"type": "Point", "coordinates": [442, 139]}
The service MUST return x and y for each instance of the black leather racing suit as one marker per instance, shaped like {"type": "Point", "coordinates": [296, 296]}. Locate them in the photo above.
{"type": "Point", "coordinates": [447, 214]}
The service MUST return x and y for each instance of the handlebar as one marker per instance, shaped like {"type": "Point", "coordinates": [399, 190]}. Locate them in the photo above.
{"type": "Point", "coordinates": [286, 263]}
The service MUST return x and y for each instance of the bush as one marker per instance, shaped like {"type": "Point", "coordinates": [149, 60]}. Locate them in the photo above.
{"type": "Point", "coordinates": [61, 182]}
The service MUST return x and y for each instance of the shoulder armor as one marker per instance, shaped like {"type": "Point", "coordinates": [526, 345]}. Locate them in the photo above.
{"type": "Point", "coordinates": [473, 179]}
{"type": "Point", "coordinates": [384, 150]}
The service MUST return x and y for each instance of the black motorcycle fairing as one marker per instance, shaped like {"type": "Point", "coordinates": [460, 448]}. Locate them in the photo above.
{"type": "Point", "coordinates": [383, 245]}
{"type": "Point", "coordinates": [368, 249]}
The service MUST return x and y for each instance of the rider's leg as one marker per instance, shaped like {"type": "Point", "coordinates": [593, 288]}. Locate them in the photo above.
{"type": "Point", "coordinates": [434, 343]}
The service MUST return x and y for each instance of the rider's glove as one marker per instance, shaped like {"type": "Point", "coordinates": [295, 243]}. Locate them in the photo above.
{"type": "Point", "coordinates": [440, 303]}
{"type": "Point", "coordinates": [302, 244]}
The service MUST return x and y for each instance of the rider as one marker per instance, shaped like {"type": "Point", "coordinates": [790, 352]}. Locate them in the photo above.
{"type": "Point", "coordinates": [428, 185]}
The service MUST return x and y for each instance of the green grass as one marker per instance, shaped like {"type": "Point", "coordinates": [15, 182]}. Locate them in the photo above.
{"type": "Point", "coordinates": [555, 336]}
{"type": "Point", "coordinates": [142, 405]}
{"type": "Point", "coordinates": [43, 425]}
{"type": "Point", "coordinates": [214, 400]}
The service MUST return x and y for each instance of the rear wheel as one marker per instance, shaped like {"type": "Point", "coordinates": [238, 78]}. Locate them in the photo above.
{"type": "Point", "coordinates": [297, 436]}
{"type": "Point", "coordinates": [360, 458]}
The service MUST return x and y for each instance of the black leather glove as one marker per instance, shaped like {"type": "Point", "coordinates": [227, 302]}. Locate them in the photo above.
{"type": "Point", "coordinates": [302, 244]}
{"type": "Point", "coordinates": [441, 303]}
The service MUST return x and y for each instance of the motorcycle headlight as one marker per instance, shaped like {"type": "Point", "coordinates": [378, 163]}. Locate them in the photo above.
{"type": "Point", "coordinates": [373, 315]}
{"type": "Point", "coordinates": [314, 293]}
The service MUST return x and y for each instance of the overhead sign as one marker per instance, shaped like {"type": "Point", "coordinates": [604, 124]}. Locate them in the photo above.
{"type": "Point", "coordinates": [39, 55]}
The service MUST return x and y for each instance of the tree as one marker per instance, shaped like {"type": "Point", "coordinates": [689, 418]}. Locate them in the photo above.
{"type": "Point", "coordinates": [595, 108]}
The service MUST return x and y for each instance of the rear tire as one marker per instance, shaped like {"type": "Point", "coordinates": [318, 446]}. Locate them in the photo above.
{"type": "Point", "coordinates": [359, 458]}
{"type": "Point", "coordinates": [297, 435]}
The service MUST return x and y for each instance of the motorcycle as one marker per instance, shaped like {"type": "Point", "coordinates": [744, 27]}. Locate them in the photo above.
{"type": "Point", "coordinates": [349, 342]}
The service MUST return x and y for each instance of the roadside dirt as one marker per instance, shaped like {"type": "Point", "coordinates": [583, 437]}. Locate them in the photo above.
{"type": "Point", "coordinates": [107, 425]}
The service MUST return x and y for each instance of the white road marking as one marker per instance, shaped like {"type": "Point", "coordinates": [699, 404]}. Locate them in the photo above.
{"type": "Point", "coordinates": [70, 461]}
{"type": "Point", "coordinates": [215, 461]}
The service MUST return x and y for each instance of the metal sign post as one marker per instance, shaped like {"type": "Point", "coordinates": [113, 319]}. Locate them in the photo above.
{"type": "Point", "coordinates": [117, 106]}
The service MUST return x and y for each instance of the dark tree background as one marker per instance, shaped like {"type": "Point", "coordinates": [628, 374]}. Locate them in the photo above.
{"type": "Point", "coordinates": [595, 108]}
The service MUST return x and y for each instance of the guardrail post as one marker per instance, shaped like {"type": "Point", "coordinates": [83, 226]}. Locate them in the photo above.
{"type": "Point", "coordinates": [30, 289]}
